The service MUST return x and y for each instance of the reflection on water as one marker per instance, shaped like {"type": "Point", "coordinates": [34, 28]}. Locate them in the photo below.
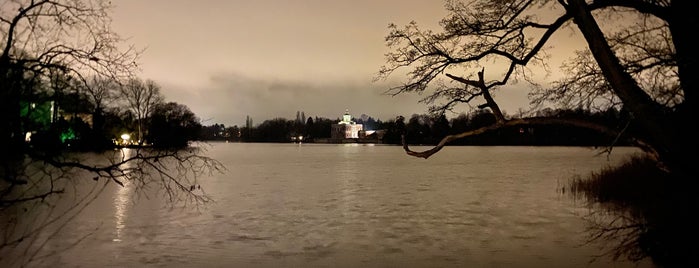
{"type": "Point", "coordinates": [122, 198]}
{"type": "Point", "coordinates": [310, 205]}
{"type": "Point", "coordinates": [121, 202]}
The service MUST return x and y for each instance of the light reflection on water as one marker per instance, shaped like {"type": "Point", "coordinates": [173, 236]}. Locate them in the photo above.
{"type": "Point", "coordinates": [122, 199]}
{"type": "Point", "coordinates": [291, 205]}
{"type": "Point", "coordinates": [121, 202]}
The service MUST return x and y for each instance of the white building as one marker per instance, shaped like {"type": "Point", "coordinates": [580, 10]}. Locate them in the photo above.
{"type": "Point", "coordinates": [346, 129]}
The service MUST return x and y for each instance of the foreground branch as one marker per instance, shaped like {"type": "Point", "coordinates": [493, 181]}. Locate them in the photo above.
{"type": "Point", "coordinates": [533, 121]}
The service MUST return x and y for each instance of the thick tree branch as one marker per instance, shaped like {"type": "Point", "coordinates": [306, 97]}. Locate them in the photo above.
{"type": "Point", "coordinates": [485, 91]}
{"type": "Point", "coordinates": [648, 112]}
{"type": "Point", "coordinates": [13, 25]}
{"type": "Point", "coordinates": [648, 7]}
{"type": "Point", "coordinates": [533, 121]}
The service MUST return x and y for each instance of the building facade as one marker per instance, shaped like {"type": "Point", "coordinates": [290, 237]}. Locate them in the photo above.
{"type": "Point", "coordinates": [346, 129]}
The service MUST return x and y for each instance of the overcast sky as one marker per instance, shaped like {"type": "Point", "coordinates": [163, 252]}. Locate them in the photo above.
{"type": "Point", "coordinates": [229, 59]}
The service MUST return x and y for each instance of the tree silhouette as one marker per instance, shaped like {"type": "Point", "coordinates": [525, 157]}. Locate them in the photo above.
{"type": "Point", "coordinates": [173, 125]}
{"type": "Point", "coordinates": [639, 60]}
{"type": "Point", "coordinates": [645, 67]}
{"type": "Point", "coordinates": [48, 49]}
{"type": "Point", "coordinates": [142, 97]}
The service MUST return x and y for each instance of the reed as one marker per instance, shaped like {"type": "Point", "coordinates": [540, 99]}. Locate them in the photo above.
{"type": "Point", "coordinates": [641, 211]}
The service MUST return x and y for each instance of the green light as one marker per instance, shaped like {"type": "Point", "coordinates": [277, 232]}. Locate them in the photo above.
{"type": "Point", "coordinates": [69, 134]}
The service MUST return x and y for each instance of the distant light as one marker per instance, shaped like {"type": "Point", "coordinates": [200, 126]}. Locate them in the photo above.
{"type": "Point", "coordinates": [125, 136]}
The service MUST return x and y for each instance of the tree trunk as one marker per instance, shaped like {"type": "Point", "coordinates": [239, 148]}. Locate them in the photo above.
{"type": "Point", "coordinates": [660, 128]}
{"type": "Point", "coordinates": [12, 140]}
{"type": "Point", "coordinates": [684, 25]}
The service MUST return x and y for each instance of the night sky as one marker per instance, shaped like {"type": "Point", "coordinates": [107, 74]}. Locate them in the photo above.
{"type": "Point", "coordinates": [229, 59]}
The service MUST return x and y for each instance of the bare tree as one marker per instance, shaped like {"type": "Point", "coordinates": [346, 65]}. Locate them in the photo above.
{"type": "Point", "coordinates": [45, 46]}
{"type": "Point", "coordinates": [101, 91]}
{"type": "Point", "coordinates": [141, 98]}
{"type": "Point", "coordinates": [641, 61]}
{"type": "Point", "coordinates": [638, 58]}
{"type": "Point", "coordinates": [43, 38]}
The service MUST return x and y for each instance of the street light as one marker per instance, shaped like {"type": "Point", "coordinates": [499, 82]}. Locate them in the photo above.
{"type": "Point", "coordinates": [125, 138]}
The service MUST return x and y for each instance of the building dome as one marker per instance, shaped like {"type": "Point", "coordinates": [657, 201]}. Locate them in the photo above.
{"type": "Point", "coordinates": [346, 118]}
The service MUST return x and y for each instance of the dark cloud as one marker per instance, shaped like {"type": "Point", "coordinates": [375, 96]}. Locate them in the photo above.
{"type": "Point", "coordinates": [230, 59]}
{"type": "Point", "coordinates": [230, 97]}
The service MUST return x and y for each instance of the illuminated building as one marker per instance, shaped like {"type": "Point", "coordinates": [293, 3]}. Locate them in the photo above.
{"type": "Point", "coordinates": [345, 129]}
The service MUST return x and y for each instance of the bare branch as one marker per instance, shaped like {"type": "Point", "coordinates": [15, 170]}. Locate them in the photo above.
{"type": "Point", "coordinates": [533, 121]}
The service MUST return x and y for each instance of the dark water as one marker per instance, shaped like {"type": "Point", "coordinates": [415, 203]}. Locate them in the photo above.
{"type": "Point", "coordinates": [311, 205]}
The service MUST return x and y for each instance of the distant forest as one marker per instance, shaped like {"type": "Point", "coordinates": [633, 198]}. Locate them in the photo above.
{"type": "Point", "coordinates": [427, 129]}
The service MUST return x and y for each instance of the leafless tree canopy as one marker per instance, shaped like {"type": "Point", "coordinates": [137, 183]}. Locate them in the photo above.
{"type": "Point", "coordinates": [638, 59]}
{"type": "Point", "coordinates": [141, 98]}
{"type": "Point", "coordinates": [101, 91]}
{"type": "Point", "coordinates": [72, 35]}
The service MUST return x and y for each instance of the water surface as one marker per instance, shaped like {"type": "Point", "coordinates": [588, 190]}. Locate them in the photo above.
{"type": "Point", "coordinates": [345, 205]}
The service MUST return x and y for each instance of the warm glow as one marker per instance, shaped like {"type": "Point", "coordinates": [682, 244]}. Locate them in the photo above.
{"type": "Point", "coordinates": [125, 136]}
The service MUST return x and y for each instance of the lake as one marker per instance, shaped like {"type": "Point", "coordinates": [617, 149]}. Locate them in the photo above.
{"type": "Point", "coordinates": [351, 205]}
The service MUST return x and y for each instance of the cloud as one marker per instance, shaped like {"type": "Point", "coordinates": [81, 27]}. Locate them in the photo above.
{"type": "Point", "coordinates": [268, 59]}
{"type": "Point", "coordinates": [229, 97]}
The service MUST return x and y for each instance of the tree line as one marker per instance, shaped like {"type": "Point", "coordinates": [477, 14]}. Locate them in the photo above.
{"type": "Point", "coordinates": [430, 129]}
{"type": "Point", "coordinates": [64, 113]}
